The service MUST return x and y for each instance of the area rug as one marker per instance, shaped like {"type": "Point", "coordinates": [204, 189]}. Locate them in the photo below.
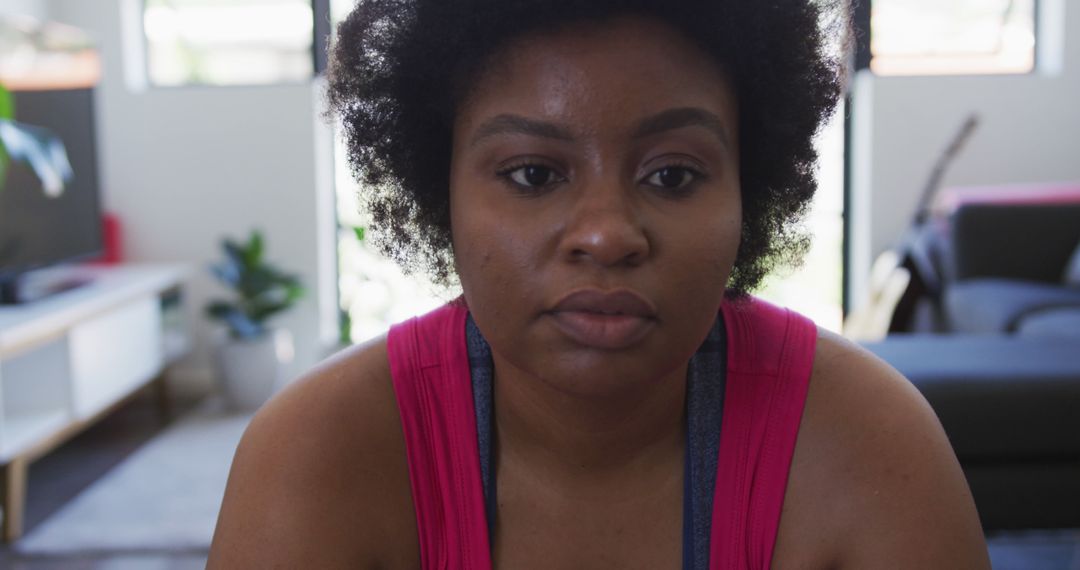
{"type": "Point", "coordinates": [163, 497]}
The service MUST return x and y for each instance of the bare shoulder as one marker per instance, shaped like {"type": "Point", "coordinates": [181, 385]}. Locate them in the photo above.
{"type": "Point", "coordinates": [320, 477]}
{"type": "Point", "coordinates": [874, 482]}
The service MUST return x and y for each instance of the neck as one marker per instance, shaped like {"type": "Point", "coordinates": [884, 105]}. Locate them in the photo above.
{"type": "Point", "coordinates": [570, 435]}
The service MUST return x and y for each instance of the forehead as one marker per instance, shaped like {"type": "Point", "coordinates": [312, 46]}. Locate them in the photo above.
{"type": "Point", "coordinates": [598, 76]}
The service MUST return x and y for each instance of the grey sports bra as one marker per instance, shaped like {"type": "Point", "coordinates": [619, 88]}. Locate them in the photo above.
{"type": "Point", "coordinates": [705, 399]}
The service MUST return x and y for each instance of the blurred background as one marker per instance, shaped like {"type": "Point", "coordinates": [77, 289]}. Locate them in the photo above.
{"type": "Point", "coordinates": [198, 205]}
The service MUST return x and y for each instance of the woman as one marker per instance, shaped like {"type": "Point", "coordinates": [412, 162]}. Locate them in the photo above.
{"type": "Point", "coordinates": [600, 177]}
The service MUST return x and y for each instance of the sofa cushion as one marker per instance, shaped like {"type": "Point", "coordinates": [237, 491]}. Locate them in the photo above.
{"type": "Point", "coordinates": [1051, 322]}
{"type": "Point", "coordinates": [997, 396]}
{"type": "Point", "coordinates": [989, 306]}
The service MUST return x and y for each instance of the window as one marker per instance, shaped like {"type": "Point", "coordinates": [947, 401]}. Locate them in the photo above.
{"type": "Point", "coordinates": [959, 37]}
{"type": "Point", "coordinates": [373, 292]}
{"type": "Point", "coordinates": [815, 288]}
{"type": "Point", "coordinates": [228, 42]}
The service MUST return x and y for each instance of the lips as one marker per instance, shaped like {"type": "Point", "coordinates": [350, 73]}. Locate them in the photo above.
{"type": "Point", "coordinates": [608, 320]}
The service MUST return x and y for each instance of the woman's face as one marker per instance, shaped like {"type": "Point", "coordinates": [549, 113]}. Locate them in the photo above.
{"type": "Point", "coordinates": [595, 205]}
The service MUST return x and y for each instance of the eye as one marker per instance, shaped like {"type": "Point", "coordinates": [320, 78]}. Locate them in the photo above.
{"type": "Point", "coordinates": [672, 177]}
{"type": "Point", "coordinates": [530, 175]}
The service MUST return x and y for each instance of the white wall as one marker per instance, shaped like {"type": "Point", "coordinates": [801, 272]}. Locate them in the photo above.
{"type": "Point", "coordinates": [37, 9]}
{"type": "Point", "coordinates": [1029, 132]}
{"type": "Point", "coordinates": [183, 167]}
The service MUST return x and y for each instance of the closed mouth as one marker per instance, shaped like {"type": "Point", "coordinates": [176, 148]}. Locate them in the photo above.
{"type": "Point", "coordinates": [604, 320]}
{"type": "Point", "coordinates": [596, 301]}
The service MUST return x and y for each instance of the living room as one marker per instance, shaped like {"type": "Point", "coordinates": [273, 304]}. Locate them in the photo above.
{"type": "Point", "coordinates": [213, 158]}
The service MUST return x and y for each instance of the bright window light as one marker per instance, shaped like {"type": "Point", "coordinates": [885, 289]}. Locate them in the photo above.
{"type": "Point", "coordinates": [228, 42]}
{"type": "Point", "coordinates": [815, 288]}
{"type": "Point", "coordinates": [958, 37]}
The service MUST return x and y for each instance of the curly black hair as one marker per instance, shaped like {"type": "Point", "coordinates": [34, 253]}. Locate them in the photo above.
{"type": "Point", "coordinates": [400, 68]}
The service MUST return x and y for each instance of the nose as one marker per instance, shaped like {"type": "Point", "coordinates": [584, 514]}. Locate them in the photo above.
{"type": "Point", "coordinates": [605, 227]}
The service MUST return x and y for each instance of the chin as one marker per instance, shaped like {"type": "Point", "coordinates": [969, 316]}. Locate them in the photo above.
{"type": "Point", "coordinates": [598, 374]}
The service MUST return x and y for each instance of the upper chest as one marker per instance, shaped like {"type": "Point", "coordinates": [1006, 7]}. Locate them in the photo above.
{"type": "Point", "coordinates": [629, 524]}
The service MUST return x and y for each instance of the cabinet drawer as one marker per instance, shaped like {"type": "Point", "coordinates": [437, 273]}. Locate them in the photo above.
{"type": "Point", "coordinates": [114, 354]}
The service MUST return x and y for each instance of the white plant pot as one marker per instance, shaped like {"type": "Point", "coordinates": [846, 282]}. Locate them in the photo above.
{"type": "Point", "coordinates": [252, 370]}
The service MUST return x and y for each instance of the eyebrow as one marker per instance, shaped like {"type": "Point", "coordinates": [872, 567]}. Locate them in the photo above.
{"type": "Point", "coordinates": [514, 124]}
{"type": "Point", "coordinates": [665, 121]}
{"type": "Point", "coordinates": [684, 117]}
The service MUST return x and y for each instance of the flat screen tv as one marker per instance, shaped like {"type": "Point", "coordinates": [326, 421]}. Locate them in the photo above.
{"type": "Point", "coordinates": [40, 228]}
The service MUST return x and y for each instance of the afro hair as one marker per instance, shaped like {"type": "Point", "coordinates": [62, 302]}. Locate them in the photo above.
{"type": "Point", "coordinates": [399, 69]}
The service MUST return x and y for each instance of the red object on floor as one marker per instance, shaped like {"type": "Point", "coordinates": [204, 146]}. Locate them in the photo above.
{"type": "Point", "coordinates": [112, 242]}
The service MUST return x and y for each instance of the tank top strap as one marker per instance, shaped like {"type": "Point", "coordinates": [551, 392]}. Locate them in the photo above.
{"type": "Point", "coordinates": [429, 366]}
{"type": "Point", "coordinates": [770, 357]}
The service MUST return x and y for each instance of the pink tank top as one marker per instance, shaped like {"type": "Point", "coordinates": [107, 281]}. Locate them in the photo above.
{"type": "Point", "coordinates": [769, 359]}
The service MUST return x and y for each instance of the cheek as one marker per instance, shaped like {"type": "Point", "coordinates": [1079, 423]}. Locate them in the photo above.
{"type": "Point", "coordinates": [726, 240]}
{"type": "Point", "coordinates": [706, 246]}
{"type": "Point", "coordinates": [705, 278]}
{"type": "Point", "coordinates": [492, 259]}
{"type": "Point", "coordinates": [695, 282]}
{"type": "Point", "coordinates": [730, 235]}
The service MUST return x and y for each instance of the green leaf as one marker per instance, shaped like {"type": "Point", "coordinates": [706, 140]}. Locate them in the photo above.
{"type": "Point", "coordinates": [235, 252]}
{"type": "Point", "coordinates": [345, 330]}
{"type": "Point", "coordinates": [219, 309]}
{"type": "Point", "coordinates": [228, 272]}
{"type": "Point", "coordinates": [269, 296]}
{"type": "Point", "coordinates": [264, 312]}
{"type": "Point", "coordinates": [241, 326]}
{"type": "Point", "coordinates": [257, 281]}
{"type": "Point", "coordinates": [262, 290]}
{"type": "Point", "coordinates": [254, 251]}
{"type": "Point", "coordinates": [7, 112]}
{"type": "Point", "coordinates": [295, 291]}
{"type": "Point", "coordinates": [7, 104]}
{"type": "Point", "coordinates": [359, 233]}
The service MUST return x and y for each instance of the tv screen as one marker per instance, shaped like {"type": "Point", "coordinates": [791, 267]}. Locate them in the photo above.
{"type": "Point", "coordinates": [38, 226]}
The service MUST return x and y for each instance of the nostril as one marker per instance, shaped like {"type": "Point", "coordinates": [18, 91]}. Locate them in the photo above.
{"type": "Point", "coordinates": [608, 257]}
{"type": "Point", "coordinates": [605, 236]}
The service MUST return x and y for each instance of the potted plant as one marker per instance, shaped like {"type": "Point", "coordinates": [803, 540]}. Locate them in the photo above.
{"type": "Point", "coordinates": [252, 356]}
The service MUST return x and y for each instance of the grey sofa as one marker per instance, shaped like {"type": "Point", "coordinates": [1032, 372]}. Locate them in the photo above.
{"type": "Point", "coordinates": [1010, 406]}
{"type": "Point", "coordinates": [1010, 269]}
{"type": "Point", "coordinates": [1001, 367]}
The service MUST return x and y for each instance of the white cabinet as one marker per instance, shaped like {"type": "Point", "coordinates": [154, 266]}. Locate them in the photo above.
{"type": "Point", "coordinates": [113, 354]}
{"type": "Point", "coordinates": [66, 360]}
{"type": "Point", "coordinates": [35, 396]}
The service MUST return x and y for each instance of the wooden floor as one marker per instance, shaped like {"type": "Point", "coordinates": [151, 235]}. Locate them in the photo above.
{"type": "Point", "coordinates": [61, 475]}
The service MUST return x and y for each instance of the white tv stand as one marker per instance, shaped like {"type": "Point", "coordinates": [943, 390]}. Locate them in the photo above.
{"type": "Point", "coordinates": [68, 360]}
